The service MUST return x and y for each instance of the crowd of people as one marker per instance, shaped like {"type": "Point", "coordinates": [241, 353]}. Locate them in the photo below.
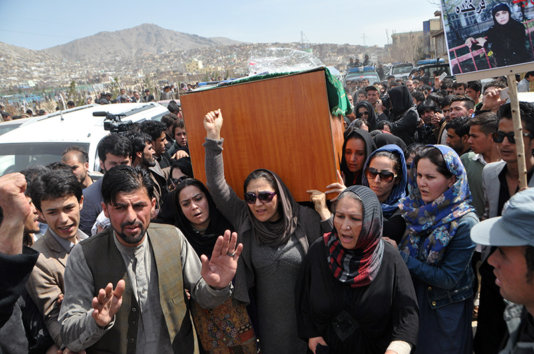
{"type": "Point", "coordinates": [427, 230]}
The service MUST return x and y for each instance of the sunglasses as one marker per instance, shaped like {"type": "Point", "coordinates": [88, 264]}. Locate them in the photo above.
{"type": "Point", "coordinates": [359, 115]}
{"type": "Point", "coordinates": [385, 176]}
{"type": "Point", "coordinates": [264, 197]}
{"type": "Point", "coordinates": [499, 136]}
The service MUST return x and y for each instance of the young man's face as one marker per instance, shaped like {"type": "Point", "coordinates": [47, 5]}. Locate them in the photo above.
{"type": "Point", "coordinates": [458, 110]}
{"type": "Point", "coordinates": [456, 142]}
{"type": "Point", "coordinates": [62, 215]}
{"type": "Point", "coordinates": [372, 96]}
{"type": "Point", "coordinates": [474, 95]}
{"type": "Point", "coordinates": [130, 215]}
{"type": "Point", "coordinates": [79, 169]}
{"type": "Point", "coordinates": [508, 149]}
{"type": "Point", "coordinates": [159, 144]}
{"type": "Point", "coordinates": [180, 136]}
{"type": "Point", "coordinates": [512, 275]}
{"type": "Point", "coordinates": [459, 91]}
{"type": "Point", "coordinates": [114, 160]}
{"type": "Point", "coordinates": [479, 141]}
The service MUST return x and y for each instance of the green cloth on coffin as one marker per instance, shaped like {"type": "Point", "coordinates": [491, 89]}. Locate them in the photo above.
{"type": "Point", "coordinates": [337, 99]}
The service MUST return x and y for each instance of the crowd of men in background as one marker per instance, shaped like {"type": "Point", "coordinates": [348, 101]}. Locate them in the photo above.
{"type": "Point", "coordinates": [464, 116]}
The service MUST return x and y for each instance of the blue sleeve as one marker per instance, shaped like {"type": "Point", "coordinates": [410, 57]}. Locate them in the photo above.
{"type": "Point", "coordinates": [455, 261]}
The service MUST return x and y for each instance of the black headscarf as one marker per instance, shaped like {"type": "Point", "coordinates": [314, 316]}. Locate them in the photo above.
{"type": "Point", "coordinates": [508, 41]}
{"type": "Point", "coordinates": [352, 178]}
{"type": "Point", "coordinates": [202, 243]}
{"type": "Point", "coordinates": [401, 101]}
{"type": "Point", "coordinates": [382, 139]}
{"type": "Point", "coordinates": [371, 118]}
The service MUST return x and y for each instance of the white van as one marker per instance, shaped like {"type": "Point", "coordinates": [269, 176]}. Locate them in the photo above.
{"type": "Point", "coordinates": [43, 140]}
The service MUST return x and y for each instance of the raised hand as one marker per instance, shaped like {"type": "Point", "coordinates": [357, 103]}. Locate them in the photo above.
{"type": "Point", "coordinates": [219, 270]}
{"type": "Point", "coordinates": [213, 123]}
{"type": "Point", "coordinates": [16, 208]}
{"type": "Point", "coordinates": [107, 303]}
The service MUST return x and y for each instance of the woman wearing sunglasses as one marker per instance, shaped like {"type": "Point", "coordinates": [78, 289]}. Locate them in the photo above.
{"type": "Point", "coordinates": [437, 250]}
{"type": "Point", "coordinates": [386, 175]}
{"type": "Point", "coordinates": [276, 233]}
{"type": "Point", "coordinates": [365, 111]}
{"type": "Point", "coordinates": [355, 292]}
{"type": "Point", "coordinates": [193, 211]}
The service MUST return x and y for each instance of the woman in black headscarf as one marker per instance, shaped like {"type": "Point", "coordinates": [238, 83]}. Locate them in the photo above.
{"type": "Point", "coordinates": [507, 38]}
{"type": "Point", "coordinates": [355, 292]}
{"type": "Point", "coordinates": [404, 116]}
{"type": "Point", "coordinates": [357, 145]}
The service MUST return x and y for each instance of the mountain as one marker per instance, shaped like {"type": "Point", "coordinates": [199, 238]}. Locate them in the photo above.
{"type": "Point", "coordinates": [133, 42]}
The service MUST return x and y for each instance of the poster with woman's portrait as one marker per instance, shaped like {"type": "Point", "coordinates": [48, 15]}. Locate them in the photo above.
{"type": "Point", "coordinates": [485, 35]}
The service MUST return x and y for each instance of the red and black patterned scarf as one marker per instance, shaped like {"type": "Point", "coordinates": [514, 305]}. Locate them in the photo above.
{"type": "Point", "coordinates": [359, 266]}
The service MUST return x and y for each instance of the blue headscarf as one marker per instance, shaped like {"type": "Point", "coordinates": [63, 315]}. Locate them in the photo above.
{"type": "Point", "coordinates": [399, 190]}
{"type": "Point", "coordinates": [431, 226]}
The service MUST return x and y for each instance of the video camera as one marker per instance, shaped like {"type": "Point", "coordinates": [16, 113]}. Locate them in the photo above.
{"type": "Point", "coordinates": [113, 122]}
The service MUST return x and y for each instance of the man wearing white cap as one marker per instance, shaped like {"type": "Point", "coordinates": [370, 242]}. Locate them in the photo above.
{"type": "Point", "coordinates": [513, 260]}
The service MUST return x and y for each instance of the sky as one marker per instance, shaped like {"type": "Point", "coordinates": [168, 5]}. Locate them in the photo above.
{"type": "Point", "coordinates": [39, 24]}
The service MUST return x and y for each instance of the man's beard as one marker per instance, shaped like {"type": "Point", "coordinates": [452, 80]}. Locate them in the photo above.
{"type": "Point", "coordinates": [131, 239]}
{"type": "Point", "coordinates": [149, 163]}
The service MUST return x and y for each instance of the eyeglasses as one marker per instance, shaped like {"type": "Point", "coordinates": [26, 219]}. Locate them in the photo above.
{"type": "Point", "coordinates": [264, 197]}
{"type": "Point", "coordinates": [385, 176]}
{"type": "Point", "coordinates": [499, 136]}
{"type": "Point", "coordinates": [359, 115]}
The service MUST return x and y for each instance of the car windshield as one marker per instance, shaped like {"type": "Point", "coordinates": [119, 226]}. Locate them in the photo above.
{"type": "Point", "coordinates": [18, 156]}
{"type": "Point", "coordinates": [402, 69]}
{"type": "Point", "coordinates": [4, 128]}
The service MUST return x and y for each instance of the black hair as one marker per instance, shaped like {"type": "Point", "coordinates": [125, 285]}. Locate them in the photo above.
{"type": "Point", "coordinates": [475, 85]}
{"type": "Point", "coordinates": [370, 88]}
{"type": "Point", "coordinates": [83, 157]}
{"type": "Point", "coordinates": [179, 123]}
{"type": "Point", "coordinates": [31, 173]}
{"type": "Point", "coordinates": [184, 165]}
{"type": "Point", "coordinates": [467, 102]}
{"type": "Point", "coordinates": [526, 110]}
{"type": "Point", "coordinates": [357, 123]}
{"type": "Point", "coordinates": [393, 156]}
{"type": "Point", "coordinates": [487, 121]}
{"type": "Point", "coordinates": [260, 173]}
{"type": "Point", "coordinates": [436, 157]}
{"type": "Point", "coordinates": [114, 144]}
{"type": "Point", "coordinates": [59, 166]}
{"type": "Point", "coordinates": [418, 96]}
{"type": "Point", "coordinates": [459, 84]}
{"type": "Point", "coordinates": [173, 107]}
{"type": "Point", "coordinates": [460, 125]}
{"type": "Point", "coordinates": [125, 179]}
{"type": "Point", "coordinates": [153, 128]}
{"type": "Point", "coordinates": [169, 120]}
{"type": "Point", "coordinates": [495, 83]}
{"type": "Point", "coordinates": [138, 141]}
{"type": "Point", "coordinates": [55, 184]}
{"type": "Point", "coordinates": [528, 74]}
{"type": "Point", "coordinates": [382, 123]}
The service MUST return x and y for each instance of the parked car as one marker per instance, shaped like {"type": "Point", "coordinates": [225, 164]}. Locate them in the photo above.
{"type": "Point", "coordinates": [44, 140]}
{"type": "Point", "coordinates": [401, 70]}
{"type": "Point", "coordinates": [356, 74]}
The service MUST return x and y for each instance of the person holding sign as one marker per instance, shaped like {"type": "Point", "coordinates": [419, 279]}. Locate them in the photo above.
{"type": "Point", "coordinates": [506, 38]}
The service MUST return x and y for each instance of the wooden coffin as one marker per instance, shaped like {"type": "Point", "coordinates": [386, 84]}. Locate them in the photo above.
{"type": "Point", "coordinates": [282, 124]}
